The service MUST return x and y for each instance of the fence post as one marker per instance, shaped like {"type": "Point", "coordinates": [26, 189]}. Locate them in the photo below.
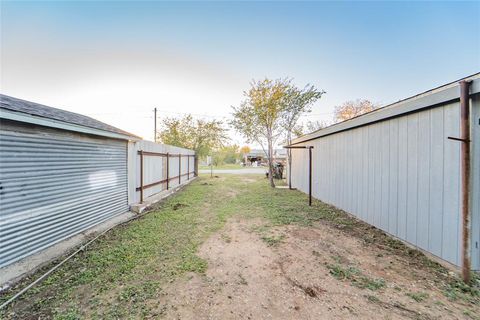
{"type": "Point", "coordinates": [179, 168]}
{"type": "Point", "coordinates": [168, 178]}
{"type": "Point", "coordinates": [141, 176]}
{"type": "Point", "coordinates": [188, 167]}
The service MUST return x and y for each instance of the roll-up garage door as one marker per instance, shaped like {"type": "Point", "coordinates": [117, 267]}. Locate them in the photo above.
{"type": "Point", "coordinates": [54, 186]}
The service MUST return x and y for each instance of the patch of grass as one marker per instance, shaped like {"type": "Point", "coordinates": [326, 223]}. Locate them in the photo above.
{"type": "Point", "coordinates": [417, 296]}
{"type": "Point", "coordinates": [372, 299]}
{"type": "Point", "coordinates": [471, 314]}
{"type": "Point", "coordinates": [225, 166]}
{"type": "Point", "coordinates": [71, 314]}
{"type": "Point", "coordinates": [355, 276]}
{"type": "Point", "coordinates": [341, 273]}
{"type": "Point", "coordinates": [125, 268]}
{"type": "Point", "coordinates": [456, 289]}
{"type": "Point", "coordinates": [273, 240]}
{"type": "Point", "coordinates": [110, 279]}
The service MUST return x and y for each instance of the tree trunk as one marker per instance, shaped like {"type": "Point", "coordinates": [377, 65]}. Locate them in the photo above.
{"type": "Point", "coordinates": [195, 166]}
{"type": "Point", "coordinates": [289, 155]}
{"type": "Point", "coordinates": [270, 164]}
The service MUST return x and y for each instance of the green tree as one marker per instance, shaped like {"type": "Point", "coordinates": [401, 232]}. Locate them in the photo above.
{"type": "Point", "coordinates": [225, 154]}
{"type": "Point", "coordinates": [270, 111]}
{"type": "Point", "coordinates": [297, 103]}
{"type": "Point", "coordinates": [200, 135]}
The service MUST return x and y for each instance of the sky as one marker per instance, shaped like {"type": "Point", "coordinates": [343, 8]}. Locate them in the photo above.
{"type": "Point", "coordinates": [116, 61]}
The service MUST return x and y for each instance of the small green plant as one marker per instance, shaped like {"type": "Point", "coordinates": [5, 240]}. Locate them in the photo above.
{"type": "Point", "coordinates": [70, 314]}
{"type": "Point", "coordinates": [341, 273]}
{"type": "Point", "coordinates": [459, 290]}
{"type": "Point", "coordinates": [372, 299]}
{"type": "Point", "coordinates": [273, 240]}
{"type": "Point", "coordinates": [356, 277]}
{"type": "Point", "coordinates": [370, 284]}
{"type": "Point", "coordinates": [417, 296]}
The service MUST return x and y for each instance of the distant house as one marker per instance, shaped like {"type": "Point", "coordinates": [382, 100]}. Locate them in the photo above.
{"type": "Point", "coordinates": [258, 155]}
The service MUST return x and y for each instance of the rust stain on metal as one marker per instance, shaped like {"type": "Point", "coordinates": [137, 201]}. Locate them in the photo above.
{"type": "Point", "coordinates": [465, 165]}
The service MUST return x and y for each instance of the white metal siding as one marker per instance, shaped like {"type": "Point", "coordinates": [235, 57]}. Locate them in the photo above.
{"type": "Point", "coordinates": [54, 186]}
{"type": "Point", "coordinates": [155, 168]}
{"type": "Point", "coordinates": [401, 175]}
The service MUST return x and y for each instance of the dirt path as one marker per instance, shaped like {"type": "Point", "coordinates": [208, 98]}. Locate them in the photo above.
{"type": "Point", "coordinates": [293, 278]}
{"type": "Point", "coordinates": [231, 247]}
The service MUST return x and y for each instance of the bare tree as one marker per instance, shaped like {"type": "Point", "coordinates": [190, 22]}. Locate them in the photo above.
{"type": "Point", "coordinates": [351, 109]}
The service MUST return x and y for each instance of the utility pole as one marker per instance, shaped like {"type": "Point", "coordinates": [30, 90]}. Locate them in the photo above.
{"type": "Point", "coordinates": [155, 125]}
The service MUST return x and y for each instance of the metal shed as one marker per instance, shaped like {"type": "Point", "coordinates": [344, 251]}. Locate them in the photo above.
{"type": "Point", "coordinates": [60, 174]}
{"type": "Point", "coordinates": [399, 169]}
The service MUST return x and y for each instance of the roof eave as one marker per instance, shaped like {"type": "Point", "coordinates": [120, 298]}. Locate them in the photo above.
{"type": "Point", "coordinates": [52, 123]}
{"type": "Point", "coordinates": [431, 98]}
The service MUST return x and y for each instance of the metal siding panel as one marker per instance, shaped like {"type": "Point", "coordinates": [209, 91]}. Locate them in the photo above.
{"type": "Point", "coordinates": [451, 186]}
{"type": "Point", "coordinates": [435, 229]}
{"type": "Point", "coordinates": [402, 178]}
{"type": "Point", "coordinates": [372, 175]}
{"type": "Point", "coordinates": [378, 174]}
{"type": "Point", "coordinates": [351, 160]}
{"type": "Point", "coordinates": [412, 178]}
{"type": "Point", "coordinates": [423, 212]}
{"type": "Point", "coordinates": [54, 187]}
{"type": "Point", "coordinates": [393, 177]}
{"type": "Point", "coordinates": [365, 172]}
{"type": "Point", "coordinates": [385, 166]}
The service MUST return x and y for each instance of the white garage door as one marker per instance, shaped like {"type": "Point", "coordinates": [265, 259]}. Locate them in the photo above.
{"type": "Point", "coordinates": [55, 186]}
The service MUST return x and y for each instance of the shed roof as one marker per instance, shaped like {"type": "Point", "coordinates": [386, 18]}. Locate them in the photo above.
{"type": "Point", "coordinates": [427, 99]}
{"type": "Point", "coordinates": [36, 110]}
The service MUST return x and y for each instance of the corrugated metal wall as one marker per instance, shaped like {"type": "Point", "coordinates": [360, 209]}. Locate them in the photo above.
{"type": "Point", "coordinates": [154, 168]}
{"type": "Point", "coordinates": [56, 185]}
{"type": "Point", "coordinates": [401, 175]}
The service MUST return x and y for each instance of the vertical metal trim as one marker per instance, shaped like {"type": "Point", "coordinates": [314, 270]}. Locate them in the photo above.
{"type": "Point", "coordinates": [465, 165]}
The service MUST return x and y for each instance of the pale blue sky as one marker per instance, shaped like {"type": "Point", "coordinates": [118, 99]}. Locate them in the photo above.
{"type": "Point", "coordinates": [117, 60]}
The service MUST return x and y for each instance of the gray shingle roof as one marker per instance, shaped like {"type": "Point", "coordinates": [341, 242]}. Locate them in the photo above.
{"type": "Point", "coordinates": [31, 108]}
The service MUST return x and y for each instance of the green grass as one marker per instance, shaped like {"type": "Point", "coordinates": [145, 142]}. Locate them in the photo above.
{"type": "Point", "coordinates": [128, 266]}
{"type": "Point", "coordinates": [226, 166]}
{"type": "Point", "coordinates": [355, 276]}
{"type": "Point", "coordinates": [123, 273]}
{"type": "Point", "coordinates": [417, 296]}
{"type": "Point", "coordinates": [273, 240]}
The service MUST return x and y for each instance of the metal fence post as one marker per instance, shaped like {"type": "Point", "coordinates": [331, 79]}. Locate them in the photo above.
{"type": "Point", "coordinates": [141, 175]}
{"type": "Point", "coordinates": [179, 168]}
{"type": "Point", "coordinates": [168, 175]}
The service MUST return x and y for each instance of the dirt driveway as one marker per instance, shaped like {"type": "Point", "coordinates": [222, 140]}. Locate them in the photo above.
{"type": "Point", "coordinates": [297, 273]}
{"type": "Point", "coordinates": [232, 248]}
